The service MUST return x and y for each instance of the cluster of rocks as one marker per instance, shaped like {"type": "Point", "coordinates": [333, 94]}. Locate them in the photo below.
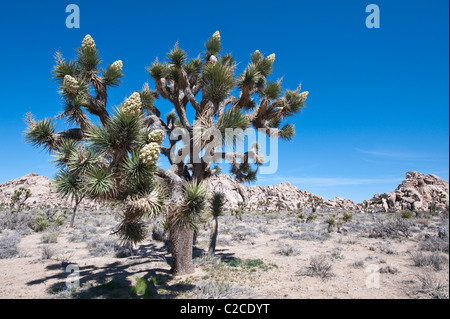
{"type": "Point", "coordinates": [418, 192]}
{"type": "Point", "coordinates": [257, 197]}
{"type": "Point", "coordinates": [42, 191]}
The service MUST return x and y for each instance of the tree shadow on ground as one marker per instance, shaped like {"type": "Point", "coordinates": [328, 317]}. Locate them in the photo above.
{"type": "Point", "coordinates": [114, 280]}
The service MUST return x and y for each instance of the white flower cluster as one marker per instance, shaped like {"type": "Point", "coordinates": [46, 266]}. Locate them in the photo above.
{"type": "Point", "coordinates": [156, 136]}
{"type": "Point", "coordinates": [143, 204]}
{"type": "Point", "coordinates": [216, 35]}
{"type": "Point", "coordinates": [271, 58]}
{"type": "Point", "coordinates": [133, 104]}
{"type": "Point", "coordinates": [304, 95]}
{"type": "Point", "coordinates": [150, 154]}
{"type": "Point", "coordinates": [258, 157]}
{"type": "Point", "coordinates": [118, 65]}
{"type": "Point", "coordinates": [88, 43]}
{"type": "Point", "coordinates": [70, 84]}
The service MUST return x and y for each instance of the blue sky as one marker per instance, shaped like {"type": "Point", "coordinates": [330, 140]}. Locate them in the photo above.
{"type": "Point", "coordinates": [378, 104]}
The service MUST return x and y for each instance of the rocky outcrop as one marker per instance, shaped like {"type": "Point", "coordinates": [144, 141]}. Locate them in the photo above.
{"type": "Point", "coordinates": [43, 194]}
{"type": "Point", "coordinates": [258, 197]}
{"type": "Point", "coordinates": [417, 192]}
{"type": "Point", "coordinates": [341, 203]}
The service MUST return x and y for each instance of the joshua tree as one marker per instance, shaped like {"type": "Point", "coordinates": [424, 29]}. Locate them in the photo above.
{"type": "Point", "coordinates": [70, 184]}
{"type": "Point", "coordinates": [217, 203]}
{"type": "Point", "coordinates": [315, 202]}
{"type": "Point", "coordinates": [437, 199]}
{"type": "Point", "coordinates": [207, 84]}
{"type": "Point", "coordinates": [19, 197]}
{"type": "Point", "coordinates": [114, 160]}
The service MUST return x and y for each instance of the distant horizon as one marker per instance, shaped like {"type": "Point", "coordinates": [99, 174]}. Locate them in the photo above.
{"type": "Point", "coordinates": [256, 184]}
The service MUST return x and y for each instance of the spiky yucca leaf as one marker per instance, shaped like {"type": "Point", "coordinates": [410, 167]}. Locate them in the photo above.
{"type": "Point", "coordinates": [217, 204]}
{"type": "Point", "coordinates": [194, 67]}
{"type": "Point", "coordinates": [194, 202]}
{"type": "Point", "coordinates": [177, 56]}
{"type": "Point", "coordinates": [66, 147]}
{"type": "Point", "coordinates": [82, 160]}
{"type": "Point", "coordinates": [250, 76]}
{"type": "Point", "coordinates": [294, 103]}
{"type": "Point", "coordinates": [213, 47]}
{"type": "Point", "coordinates": [100, 183]}
{"type": "Point", "coordinates": [42, 134]}
{"type": "Point", "coordinates": [89, 61]}
{"type": "Point", "coordinates": [132, 231]}
{"type": "Point", "coordinates": [100, 139]}
{"type": "Point", "coordinates": [272, 90]}
{"type": "Point", "coordinates": [227, 60]}
{"type": "Point", "coordinates": [247, 174]}
{"type": "Point", "coordinates": [265, 67]}
{"type": "Point", "coordinates": [137, 176]}
{"type": "Point", "coordinates": [256, 57]}
{"type": "Point", "coordinates": [146, 204]}
{"type": "Point", "coordinates": [68, 184]}
{"type": "Point", "coordinates": [64, 68]}
{"type": "Point", "coordinates": [232, 125]}
{"type": "Point", "coordinates": [148, 98]}
{"type": "Point", "coordinates": [287, 132]}
{"type": "Point", "coordinates": [274, 123]}
{"type": "Point", "coordinates": [218, 82]}
{"type": "Point", "coordinates": [125, 129]}
{"type": "Point", "coordinates": [112, 76]}
{"type": "Point", "coordinates": [157, 70]}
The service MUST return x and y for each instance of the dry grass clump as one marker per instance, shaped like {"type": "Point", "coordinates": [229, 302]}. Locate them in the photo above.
{"type": "Point", "coordinates": [319, 266]}
{"type": "Point", "coordinates": [8, 244]}
{"type": "Point", "coordinates": [435, 260]}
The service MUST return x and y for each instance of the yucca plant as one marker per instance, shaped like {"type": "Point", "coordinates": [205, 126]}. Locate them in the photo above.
{"type": "Point", "coordinates": [217, 204]}
{"type": "Point", "coordinates": [184, 223]}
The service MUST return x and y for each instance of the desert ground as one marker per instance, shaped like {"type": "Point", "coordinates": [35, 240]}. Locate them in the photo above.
{"type": "Point", "coordinates": [260, 254]}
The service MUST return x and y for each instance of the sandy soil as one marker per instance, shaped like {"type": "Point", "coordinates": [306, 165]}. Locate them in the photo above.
{"type": "Point", "coordinates": [355, 260]}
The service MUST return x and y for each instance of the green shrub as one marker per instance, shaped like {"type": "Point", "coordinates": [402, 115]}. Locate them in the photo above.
{"type": "Point", "coordinates": [311, 218]}
{"type": "Point", "coordinates": [40, 221]}
{"type": "Point", "coordinates": [59, 219]}
{"type": "Point", "coordinates": [347, 216]}
{"type": "Point", "coordinates": [50, 238]}
{"type": "Point", "coordinates": [331, 221]}
{"type": "Point", "coordinates": [140, 288]}
{"type": "Point", "coordinates": [407, 214]}
{"type": "Point", "coordinates": [301, 216]}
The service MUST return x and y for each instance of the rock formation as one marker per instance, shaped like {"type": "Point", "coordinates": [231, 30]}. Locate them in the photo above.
{"type": "Point", "coordinates": [43, 194]}
{"type": "Point", "coordinates": [417, 192]}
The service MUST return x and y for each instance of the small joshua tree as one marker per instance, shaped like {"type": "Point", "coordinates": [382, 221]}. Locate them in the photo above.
{"type": "Point", "coordinates": [315, 202]}
{"type": "Point", "coordinates": [437, 199]}
{"type": "Point", "coordinates": [19, 197]}
{"type": "Point", "coordinates": [217, 203]}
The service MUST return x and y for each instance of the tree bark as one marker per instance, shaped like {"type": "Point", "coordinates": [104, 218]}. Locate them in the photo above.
{"type": "Point", "coordinates": [181, 238]}
{"type": "Point", "coordinates": [72, 221]}
{"type": "Point", "coordinates": [213, 238]}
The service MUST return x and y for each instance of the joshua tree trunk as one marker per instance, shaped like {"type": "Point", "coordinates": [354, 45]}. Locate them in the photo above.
{"type": "Point", "coordinates": [213, 238]}
{"type": "Point", "coordinates": [181, 238]}
{"type": "Point", "coordinates": [75, 208]}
